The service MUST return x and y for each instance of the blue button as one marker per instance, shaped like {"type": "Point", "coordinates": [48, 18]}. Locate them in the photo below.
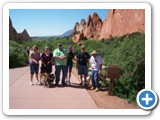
{"type": "Point", "coordinates": [147, 99]}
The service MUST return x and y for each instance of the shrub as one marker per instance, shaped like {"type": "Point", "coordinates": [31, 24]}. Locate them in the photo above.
{"type": "Point", "coordinates": [17, 55]}
{"type": "Point", "coordinates": [128, 52]}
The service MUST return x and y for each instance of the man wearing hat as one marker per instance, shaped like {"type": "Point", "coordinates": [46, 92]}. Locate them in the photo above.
{"type": "Point", "coordinates": [60, 58]}
{"type": "Point", "coordinates": [96, 65]}
{"type": "Point", "coordinates": [82, 64]}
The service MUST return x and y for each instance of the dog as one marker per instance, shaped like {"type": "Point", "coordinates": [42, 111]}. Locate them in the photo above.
{"type": "Point", "coordinates": [46, 79]}
{"type": "Point", "coordinates": [88, 78]}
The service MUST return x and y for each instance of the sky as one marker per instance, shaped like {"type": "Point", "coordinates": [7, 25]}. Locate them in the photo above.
{"type": "Point", "coordinates": [49, 22]}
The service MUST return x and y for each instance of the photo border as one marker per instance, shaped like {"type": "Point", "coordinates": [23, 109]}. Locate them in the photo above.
{"type": "Point", "coordinates": [104, 5]}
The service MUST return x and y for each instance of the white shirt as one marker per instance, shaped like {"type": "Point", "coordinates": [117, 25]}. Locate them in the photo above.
{"type": "Point", "coordinates": [96, 62]}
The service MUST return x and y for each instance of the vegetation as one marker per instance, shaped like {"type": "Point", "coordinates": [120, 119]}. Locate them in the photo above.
{"type": "Point", "coordinates": [128, 52]}
{"type": "Point", "coordinates": [17, 55]}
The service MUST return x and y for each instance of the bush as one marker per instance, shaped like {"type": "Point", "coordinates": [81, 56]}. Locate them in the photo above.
{"type": "Point", "coordinates": [129, 53]}
{"type": "Point", "coordinates": [17, 55]}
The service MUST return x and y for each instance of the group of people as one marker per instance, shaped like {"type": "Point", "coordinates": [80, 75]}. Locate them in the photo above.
{"type": "Point", "coordinates": [63, 61]}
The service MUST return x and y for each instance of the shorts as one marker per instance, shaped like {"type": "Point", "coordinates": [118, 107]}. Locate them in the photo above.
{"type": "Point", "coordinates": [69, 68]}
{"type": "Point", "coordinates": [83, 70]}
{"type": "Point", "coordinates": [34, 68]}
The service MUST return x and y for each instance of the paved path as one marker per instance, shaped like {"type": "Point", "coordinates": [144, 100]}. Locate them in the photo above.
{"type": "Point", "coordinates": [24, 96]}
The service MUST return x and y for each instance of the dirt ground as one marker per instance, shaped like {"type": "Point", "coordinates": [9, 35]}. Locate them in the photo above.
{"type": "Point", "coordinates": [105, 101]}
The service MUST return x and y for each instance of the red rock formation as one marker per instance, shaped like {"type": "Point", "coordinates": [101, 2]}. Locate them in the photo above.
{"type": "Point", "coordinates": [12, 32]}
{"type": "Point", "coordinates": [82, 25]}
{"type": "Point", "coordinates": [78, 38]}
{"type": "Point", "coordinates": [24, 36]}
{"type": "Point", "coordinates": [93, 27]}
{"type": "Point", "coordinates": [121, 22]}
{"type": "Point", "coordinates": [79, 28]}
{"type": "Point", "coordinates": [13, 35]}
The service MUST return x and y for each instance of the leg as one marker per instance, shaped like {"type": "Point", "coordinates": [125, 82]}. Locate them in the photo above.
{"type": "Point", "coordinates": [69, 76]}
{"type": "Point", "coordinates": [85, 72]}
{"type": "Point", "coordinates": [93, 83]}
{"type": "Point", "coordinates": [96, 79]}
{"type": "Point", "coordinates": [36, 68]}
{"type": "Point", "coordinates": [63, 73]}
{"type": "Point", "coordinates": [67, 72]}
{"type": "Point", "coordinates": [70, 70]}
{"type": "Point", "coordinates": [31, 73]}
{"type": "Point", "coordinates": [31, 77]}
{"type": "Point", "coordinates": [80, 73]}
{"type": "Point", "coordinates": [57, 73]}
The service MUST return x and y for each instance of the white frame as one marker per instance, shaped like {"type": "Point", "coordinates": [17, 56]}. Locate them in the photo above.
{"type": "Point", "coordinates": [8, 6]}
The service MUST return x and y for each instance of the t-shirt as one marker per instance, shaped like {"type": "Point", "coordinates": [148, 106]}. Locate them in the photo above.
{"type": "Point", "coordinates": [60, 53]}
{"type": "Point", "coordinates": [96, 62]}
{"type": "Point", "coordinates": [47, 58]}
{"type": "Point", "coordinates": [35, 56]}
{"type": "Point", "coordinates": [83, 58]}
{"type": "Point", "coordinates": [70, 56]}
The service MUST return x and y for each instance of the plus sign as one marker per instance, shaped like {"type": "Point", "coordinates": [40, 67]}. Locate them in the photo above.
{"type": "Point", "coordinates": [147, 99]}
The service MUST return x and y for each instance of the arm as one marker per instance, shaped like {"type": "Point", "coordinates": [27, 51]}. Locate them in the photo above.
{"type": "Point", "coordinates": [88, 60]}
{"type": "Point", "coordinates": [88, 63]}
{"type": "Point", "coordinates": [64, 57]}
{"type": "Point", "coordinates": [77, 62]}
{"type": "Point", "coordinates": [55, 55]}
{"type": "Point", "coordinates": [32, 58]}
{"type": "Point", "coordinates": [75, 59]}
{"type": "Point", "coordinates": [100, 67]}
{"type": "Point", "coordinates": [43, 62]}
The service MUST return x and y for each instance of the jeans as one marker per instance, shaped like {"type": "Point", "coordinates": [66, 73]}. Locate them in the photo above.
{"type": "Point", "coordinates": [95, 82]}
{"type": "Point", "coordinates": [34, 68]}
{"type": "Point", "coordinates": [57, 73]}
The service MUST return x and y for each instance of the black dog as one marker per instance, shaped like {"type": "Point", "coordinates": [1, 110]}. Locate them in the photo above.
{"type": "Point", "coordinates": [47, 80]}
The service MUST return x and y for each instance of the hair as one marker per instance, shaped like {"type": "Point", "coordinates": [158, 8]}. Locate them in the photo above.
{"type": "Point", "coordinates": [46, 47]}
{"type": "Point", "coordinates": [34, 47]}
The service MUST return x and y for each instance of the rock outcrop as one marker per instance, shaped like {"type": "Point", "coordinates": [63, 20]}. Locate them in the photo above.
{"type": "Point", "coordinates": [90, 29]}
{"type": "Point", "coordinates": [94, 25]}
{"type": "Point", "coordinates": [118, 22]}
{"type": "Point", "coordinates": [13, 35]}
{"type": "Point", "coordinates": [122, 22]}
{"type": "Point", "coordinates": [79, 28]}
{"type": "Point", "coordinates": [24, 36]}
{"type": "Point", "coordinates": [12, 32]}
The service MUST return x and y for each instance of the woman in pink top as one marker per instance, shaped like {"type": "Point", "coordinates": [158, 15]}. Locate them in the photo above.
{"type": "Point", "coordinates": [34, 58]}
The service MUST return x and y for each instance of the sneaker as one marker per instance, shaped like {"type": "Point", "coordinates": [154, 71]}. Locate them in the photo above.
{"type": "Point", "coordinates": [92, 88]}
{"type": "Point", "coordinates": [31, 84]}
{"type": "Point", "coordinates": [97, 89]}
{"type": "Point", "coordinates": [38, 82]}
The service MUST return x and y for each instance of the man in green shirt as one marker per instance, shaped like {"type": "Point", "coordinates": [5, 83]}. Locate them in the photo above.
{"type": "Point", "coordinates": [60, 57]}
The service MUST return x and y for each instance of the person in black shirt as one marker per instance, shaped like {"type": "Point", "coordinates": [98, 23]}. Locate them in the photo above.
{"type": "Point", "coordinates": [70, 57]}
{"type": "Point", "coordinates": [83, 64]}
{"type": "Point", "coordinates": [47, 59]}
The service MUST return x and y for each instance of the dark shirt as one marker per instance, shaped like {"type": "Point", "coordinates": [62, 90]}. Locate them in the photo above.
{"type": "Point", "coordinates": [83, 58]}
{"type": "Point", "coordinates": [70, 56]}
{"type": "Point", "coordinates": [46, 58]}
